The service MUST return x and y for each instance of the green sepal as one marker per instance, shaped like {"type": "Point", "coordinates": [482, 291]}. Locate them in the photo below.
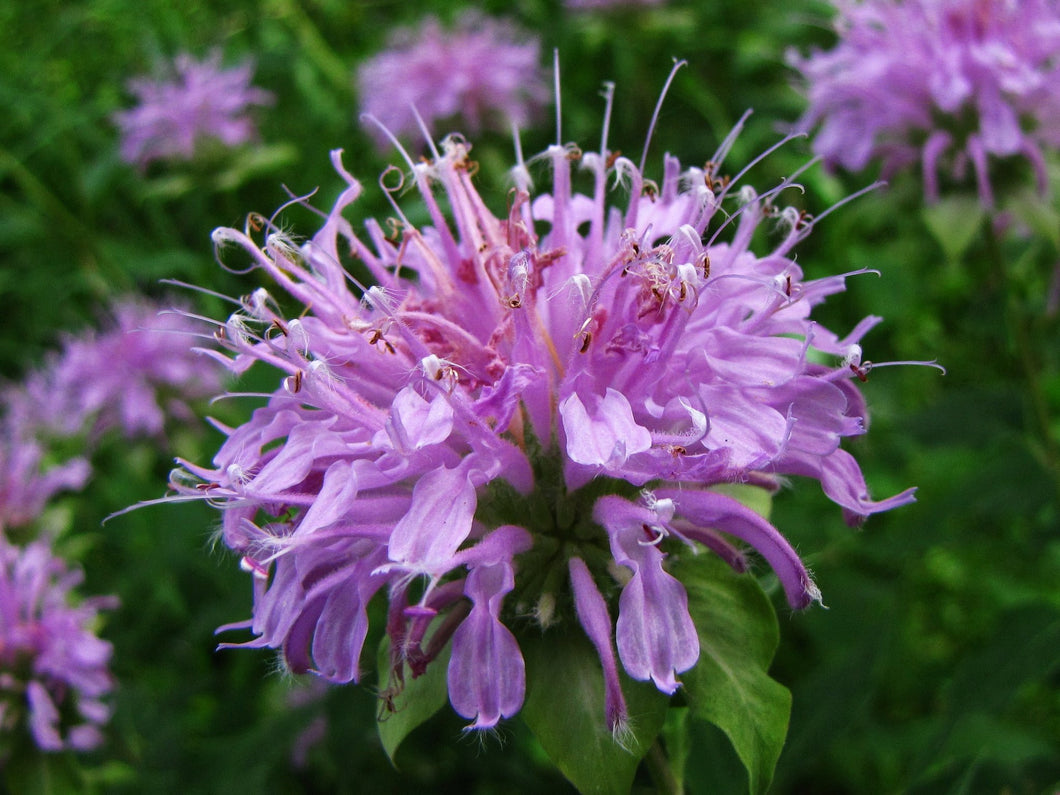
{"type": "Point", "coordinates": [402, 709]}
{"type": "Point", "coordinates": [730, 685]}
{"type": "Point", "coordinates": [564, 709]}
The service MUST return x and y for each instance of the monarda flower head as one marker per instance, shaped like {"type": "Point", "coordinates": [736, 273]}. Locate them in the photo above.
{"type": "Point", "coordinates": [27, 481]}
{"type": "Point", "coordinates": [53, 668]}
{"type": "Point", "coordinates": [946, 83]}
{"type": "Point", "coordinates": [200, 102]}
{"type": "Point", "coordinates": [483, 72]}
{"type": "Point", "coordinates": [133, 374]}
{"type": "Point", "coordinates": [526, 414]}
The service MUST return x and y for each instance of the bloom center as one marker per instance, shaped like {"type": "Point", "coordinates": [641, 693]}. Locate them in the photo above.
{"type": "Point", "coordinates": [561, 523]}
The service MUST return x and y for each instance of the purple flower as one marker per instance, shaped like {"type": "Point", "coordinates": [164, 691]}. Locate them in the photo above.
{"type": "Point", "coordinates": [483, 71]}
{"type": "Point", "coordinates": [946, 83]}
{"type": "Point", "coordinates": [134, 375]}
{"type": "Point", "coordinates": [573, 376]}
{"type": "Point", "coordinates": [176, 115]}
{"type": "Point", "coordinates": [486, 675]}
{"type": "Point", "coordinates": [26, 482]}
{"type": "Point", "coordinates": [53, 668]}
{"type": "Point", "coordinates": [591, 610]}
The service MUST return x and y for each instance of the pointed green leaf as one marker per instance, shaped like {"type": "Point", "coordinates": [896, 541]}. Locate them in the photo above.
{"type": "Point", "coordinates": [730, 685]}
{"type": "Point", "coordinates": [954, 222]}
{"type": "Point", "coordinates": [565, 710]}
{"type": "Point", "coordinates": [253, 161]}
{"type": "Point", "coordinates": [420, 698]}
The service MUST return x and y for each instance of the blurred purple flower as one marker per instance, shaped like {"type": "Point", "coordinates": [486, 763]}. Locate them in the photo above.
{"type": "Point", "coordinates": [53, 668]}
{"type": "Point", "coordinates": [26, 482]}
{"type": "Point", "coordinates": [134, 375]}
{"type": "Point", "coordinates": [573, 376]}
{"type": "Point", "coordinates": [483, 71]}
{"type": "Point", "coordinates": [943, 83]}
{"type": "Point", "coordinates": [176, 115]}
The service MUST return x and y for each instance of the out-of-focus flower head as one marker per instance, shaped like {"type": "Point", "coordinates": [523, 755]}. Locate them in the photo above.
{"type": "Point", "coordinates": [177, 114]}
{"type": "Point", "coordinates": [26, 481]}
{"type": "Point", "coordinates": [950, 84]}
{"type": "Point", "coordinates": [481, 73]}
{"type": "Point", "coordinates": [132, 375]}
{"type": "Point", "coordinates": [537, 405]}
{"type": "Point", "coordinates": [53, 668]}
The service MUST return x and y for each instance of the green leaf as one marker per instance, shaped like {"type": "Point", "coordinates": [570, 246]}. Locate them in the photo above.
{"type": "Point", "coordinates": [419, 699]}
{"type": "Point", "coordinates": [565, 710]}
{"type": "Point", "coordinates": [250, 162]}
{"type": "Point", "coordinates": [730, 685]}
{"type": "Point", "coordinates": [954, 222]}
{"type": "Point", "coordinates": [168, 187]}
{"type": "Point", "coordinates": [1037, 214]}
{"type": "Point", "coordinates": [756, 498]}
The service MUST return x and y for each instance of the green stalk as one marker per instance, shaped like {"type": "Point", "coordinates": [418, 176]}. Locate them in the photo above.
{"type": "Point", "coordinates": [1022, 338]}
{"type": "Point", "coordinates": [313, 44]}
{"type": "Point", "coordinates": [661, 772]}
{"type": "Point", "coordinates": [46, 201]}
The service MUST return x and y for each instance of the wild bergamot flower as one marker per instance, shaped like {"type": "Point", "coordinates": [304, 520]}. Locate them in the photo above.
{"type": "Point", "coordinates": [133, 374]}
{"type": "Point", "coordinates": [53, 668]}
{"type": "Point", "coordinates": [525, 414]}
{"type": "Point", "coordinates": [949, 84]}
{"type": "Point", "coordinates": [177, 114]}
{"type": "Point", "coordinates": [480, 73]}
{"type": "Point", "coordinates": [27, 480]}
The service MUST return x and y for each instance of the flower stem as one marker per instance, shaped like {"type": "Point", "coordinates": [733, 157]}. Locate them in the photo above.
{"type": "Point", "coordinates": [1030, 363]}
{"type": "Point", "coordinates": [313, 43]}
{"type": "Point", "coordinates": [661, 772]}
{"type": "Point", "coordinates": [45, 201]}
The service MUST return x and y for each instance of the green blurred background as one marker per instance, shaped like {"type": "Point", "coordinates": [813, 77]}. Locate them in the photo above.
{"type": "Point", "coordinates": [936, 666]}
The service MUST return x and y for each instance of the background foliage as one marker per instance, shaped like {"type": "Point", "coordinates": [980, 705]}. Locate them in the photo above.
{"type": "Point", "coordinates": [935, 668]}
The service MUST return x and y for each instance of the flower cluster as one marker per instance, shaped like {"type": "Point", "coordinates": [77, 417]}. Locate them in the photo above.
{"type": "Point", "coordinates": [945, 83]}
{"type": "Point", "coordinates": [526, 415]}
{"type": "Point", "coordinates": [201, 102]}
{"type": "Point", "coordinates": [133, 376]}
{"type": "Point", "coordinates": [53, 669]}
{"type": "Point", "coordinates": [484, 71]}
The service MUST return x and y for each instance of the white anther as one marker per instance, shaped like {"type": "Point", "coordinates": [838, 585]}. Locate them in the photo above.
{"type": "Point", "coordinates": [251, 566]}
{"type": "Point", "coordinates": [237, 476]}
{"type": "Point", "coordinates": [581, 287]}
{"type": "Point", "coordinates": [852, 356]}
{"type": "Point", "coordinates": [297, 338]}
{"type": "Point", "coordinates": [747, 194]}
{"type": "Point", "coordinates": [237, 330]}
